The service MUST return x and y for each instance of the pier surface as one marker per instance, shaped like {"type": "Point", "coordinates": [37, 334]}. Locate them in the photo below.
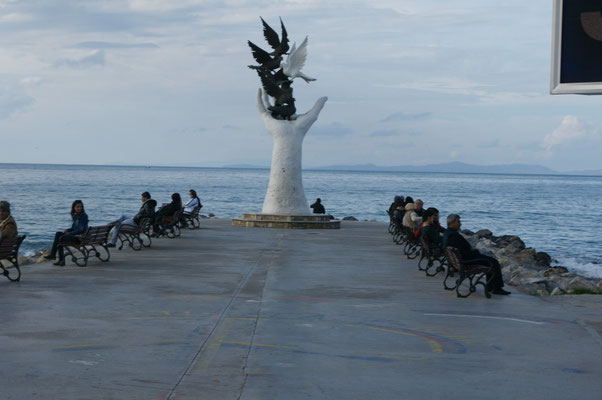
{"type": "Point", "coordinates": [238, 313]}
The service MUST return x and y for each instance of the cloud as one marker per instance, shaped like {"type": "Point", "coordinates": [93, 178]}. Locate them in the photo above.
{"type": "Point", "coordinates": [489, 144]}
{"type": "Point", "coordinates": [385, 133]}
{"type": "Point", "coordinates": [231, 127]}
{"type": "Point", "coordinates": [114, 45]}
{"type": "Point", "coordinates": [401, 116]}
{"type": "Point", "coordinates": [11, 103]}
{"type": "Point", "coordinates": [569, 130]}
{"type": "Point", "coordinates": [94, 59]}
{"type": "Point", "coordinates": [333, 129]}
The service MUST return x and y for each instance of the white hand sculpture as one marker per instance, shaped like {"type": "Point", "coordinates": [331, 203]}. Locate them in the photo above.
{"type": "Point", "coordinates": [285, 195]}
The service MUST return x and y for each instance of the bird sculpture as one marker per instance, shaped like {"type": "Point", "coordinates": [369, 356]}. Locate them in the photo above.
{"type": "Point", "coordinates": [266, 61]}
{"type": "Point", "coordinates": [276, 75]}
{"type": "Point", "coordinates": [281, 93]}
{"type": "Point", "coordinates": [295, 62]}
{"type": "Point", "coordinates": [280, 46]}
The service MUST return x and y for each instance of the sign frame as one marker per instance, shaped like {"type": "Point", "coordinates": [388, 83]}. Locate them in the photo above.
{"type": "Point", "coordinates": [556, 87]}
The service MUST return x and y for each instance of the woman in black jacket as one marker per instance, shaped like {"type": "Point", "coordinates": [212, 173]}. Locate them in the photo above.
{"type": "Point", "coordinates": [78, 227]}
{"type": "Point", "coordinates": [166, 212]}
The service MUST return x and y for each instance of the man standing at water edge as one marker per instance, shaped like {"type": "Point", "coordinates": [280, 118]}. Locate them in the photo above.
{"type": "Point", "coordinates": [472, 256]}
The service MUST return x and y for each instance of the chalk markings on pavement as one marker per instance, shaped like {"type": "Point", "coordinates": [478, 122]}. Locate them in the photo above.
{"type": "Point", "coordinates": [487, 317]}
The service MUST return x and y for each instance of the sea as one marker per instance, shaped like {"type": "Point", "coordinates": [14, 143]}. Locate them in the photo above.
{"type": "Point", "coordinates": [558, 214]}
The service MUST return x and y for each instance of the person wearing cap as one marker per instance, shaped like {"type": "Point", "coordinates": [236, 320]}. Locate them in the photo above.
{"type": "Point", "coordinates": [8, 226]}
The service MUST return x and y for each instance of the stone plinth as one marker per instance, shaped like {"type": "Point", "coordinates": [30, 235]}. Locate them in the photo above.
{"type": "Point", "coordinates": [314, 221]}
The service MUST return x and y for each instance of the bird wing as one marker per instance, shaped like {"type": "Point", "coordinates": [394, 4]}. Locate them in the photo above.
{"type": "Point", "coordinates": [270, 35]}
{"type": "Point", "coordinates": [284, 41]}
{"type": "Point", "coordinates": [296, 59]}
{"type": "Point", "coordinates": [269, 85]}
{"type": "Point", "coordinates": [259, 54]}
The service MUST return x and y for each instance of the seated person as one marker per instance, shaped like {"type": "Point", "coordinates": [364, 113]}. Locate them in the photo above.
{"type": "Point", "coordinates": [192, 203]}
{"type": "Point", "coordinates": [395, 204]}
{"type": "Point", "coordinates": [411, 220]}
{"type": "Point", "coordinates": [79, 226]}
{"type": "Point", "coordinates": [470, 256]}
{"type": "Point", "coordinates": [434, 224]}
{"type": "Point", "coordinates": [165, 212]}
{"type": "Point", "coordinates": [8, 226]}
{"type": "Point", "coordinates": [146, 211]}
{"type": "Point", "coordinates": [318, 207]}
{"type": "Point", "coordinates": [418, 207]}
{"type": "Point", "coordinates": [398, 212]}
{"type": "Point", "coordinates": [429, 230]}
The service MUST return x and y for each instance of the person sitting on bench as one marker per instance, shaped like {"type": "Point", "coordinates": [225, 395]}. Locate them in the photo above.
{"type": "Point", "coordinates": [79, 226]}
{"type": "Point", "coordinates": [472, 256]}
{"type": "Point", "coordinates": [193, 202]}
{"type": "Point", "coordinates": [430, 230]}
{"type": "Point", "coordinates": [318, 207]}
{"type": "Point", "coordinates": [8, 226]}
{"type": "Point", "coordinates": [167, 211]}
{"type": "Point", "coordinates": [146, 211]}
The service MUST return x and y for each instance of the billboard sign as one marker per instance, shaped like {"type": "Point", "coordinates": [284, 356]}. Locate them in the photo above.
{"type": "Point", "coordinates": [577, 47]}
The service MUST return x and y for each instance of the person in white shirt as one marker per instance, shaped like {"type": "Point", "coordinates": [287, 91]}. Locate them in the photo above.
{"type": "Point", "coordinates": [192, 203]}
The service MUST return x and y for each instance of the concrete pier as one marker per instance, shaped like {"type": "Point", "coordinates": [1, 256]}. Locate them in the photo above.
{"type": "Point", "coordinates": [229, 313]}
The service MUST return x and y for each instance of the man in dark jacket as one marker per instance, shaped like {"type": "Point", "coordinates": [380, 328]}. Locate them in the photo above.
{"type": "Point", "coordinates": [470, 256]}
{"type": "Point", "coordinates": [146, 211]}
{"type": "Point", "coordinates": [318, 207]}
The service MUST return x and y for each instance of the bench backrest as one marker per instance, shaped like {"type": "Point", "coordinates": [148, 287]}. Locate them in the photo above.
{"type": "Point", "coordinates": [96, 234]}
{"type": "Point", "coordinates": [144, 224]}
{"type": "Point", "coordinates": [453, 257]}
{"type": "Point", "coordinates": [194, 212]}
{"type": "Point", "coordinates": [410, 234]}
{"type": "Point", "coordinates": [9, 248]}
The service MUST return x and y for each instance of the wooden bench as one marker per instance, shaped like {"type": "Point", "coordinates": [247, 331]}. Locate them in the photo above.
{"type": "Point", "coordinates": [92, 242]}
{"type": "Point", "coordinates": [411, 247]}
{"type": "Point", "coordinates": [391, 222]}
{"type": "Point", "coordinates": [432, 260]}
{"type": "Point", "coordinates": [169, 226]}
{"type": "Point", "coordinates": [133, 235]}
{"type": "Point", "coordinates": [9, 251]}
{"type": "Point", "coordinates": [191, 220]}
{"type": "Point", "coordinates": [473, 274]}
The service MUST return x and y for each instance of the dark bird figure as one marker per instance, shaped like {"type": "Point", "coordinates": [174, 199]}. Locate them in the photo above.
{"type": "Point", "coordinates": [280, 46]}
{"type": "Point", "coordinates": [277, 84]}
{"type": "Point", "coordinates": [282, 93]}
{"type": "Point", "coordinates": [263, 58]}
{"type": "Point", "coordinates": [285, 111]}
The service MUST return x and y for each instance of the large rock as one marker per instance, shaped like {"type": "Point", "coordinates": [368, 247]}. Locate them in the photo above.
{"type": "Point", "coordinates": [543, 259]}
{"type": "Point", "coordinates": [582, 284]}
{"type": "Point", "coordinates": [484, 233]}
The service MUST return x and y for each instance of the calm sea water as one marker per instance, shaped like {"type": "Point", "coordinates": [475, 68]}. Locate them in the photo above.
{"type": "Point", "coordinates": [556, 214]}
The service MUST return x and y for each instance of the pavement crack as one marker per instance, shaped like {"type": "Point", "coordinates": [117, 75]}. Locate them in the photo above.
{"type": "Point", "coordinates": [267, 251]}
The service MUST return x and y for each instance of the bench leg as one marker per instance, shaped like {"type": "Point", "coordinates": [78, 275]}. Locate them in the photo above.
{"type": "Point", "coordinates": [13, 272]}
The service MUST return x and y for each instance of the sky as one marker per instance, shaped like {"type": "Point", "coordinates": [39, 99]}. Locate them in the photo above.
{"type": "Point", "coordinates": [157, 82]}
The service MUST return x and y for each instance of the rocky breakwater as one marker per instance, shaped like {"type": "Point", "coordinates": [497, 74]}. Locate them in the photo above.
{"type": "Point", "coordinates": [529, 270]}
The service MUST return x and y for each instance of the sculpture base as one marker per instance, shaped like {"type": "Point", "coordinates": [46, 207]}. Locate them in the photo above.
{"type": "Point", "coordinates": [313, 221]}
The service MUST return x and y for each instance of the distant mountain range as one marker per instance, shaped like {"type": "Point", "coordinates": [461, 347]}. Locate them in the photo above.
{"type": "Point", "coordinates": [451, 167]}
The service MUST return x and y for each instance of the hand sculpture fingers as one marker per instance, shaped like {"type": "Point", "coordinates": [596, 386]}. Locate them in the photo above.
{"type": "Point", "coordinates": [307, 119]}
{"type": "Point", "coordinates": [260, 102]}
{"type": "Point", "coordinates": [266, 100]}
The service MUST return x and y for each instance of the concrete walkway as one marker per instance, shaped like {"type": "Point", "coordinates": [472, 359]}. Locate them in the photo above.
{"type": "Point", "coordinates": [235, 313]}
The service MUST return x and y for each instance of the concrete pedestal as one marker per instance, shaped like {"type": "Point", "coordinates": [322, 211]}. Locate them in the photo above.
{"type": "Point", "coordinates": [314, 221]}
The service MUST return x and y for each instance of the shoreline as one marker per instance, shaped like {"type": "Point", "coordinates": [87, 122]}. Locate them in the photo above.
{"type": "Point", "coordinates": [528, 270]}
